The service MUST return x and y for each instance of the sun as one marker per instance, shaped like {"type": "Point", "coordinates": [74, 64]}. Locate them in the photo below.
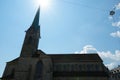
{"type": "Point", "coordinates": [43, 3]}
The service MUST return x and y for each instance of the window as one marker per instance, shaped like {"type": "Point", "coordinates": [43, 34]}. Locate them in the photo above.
{"type": "Point", "coordinates": [97, 67]}
{"type": "Point", "coordinates": [65, 67]}
{"type": "Point", "coordinates": [88, 67]}
{"type": "Point", "coordinates": [39, 70]}
{"type": "Point", "coordinates": [13, 73]}
{"type": "Point", "coordinates": [80, 67]}
{"type": "Point", "coordinates": [72, 67]}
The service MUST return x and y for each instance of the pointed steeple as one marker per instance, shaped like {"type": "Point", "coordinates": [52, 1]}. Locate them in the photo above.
{"type": "Point", "coordinates": [36, 19]}
{"type": "Point", "coordinates": [32, 36]}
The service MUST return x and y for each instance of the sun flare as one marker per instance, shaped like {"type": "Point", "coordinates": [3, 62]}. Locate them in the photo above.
{"type": "Point", "coordinates": [43, 3]}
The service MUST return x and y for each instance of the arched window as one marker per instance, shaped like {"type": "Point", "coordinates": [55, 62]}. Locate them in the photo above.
{"type": "Point", "coordinates": [39, 70]}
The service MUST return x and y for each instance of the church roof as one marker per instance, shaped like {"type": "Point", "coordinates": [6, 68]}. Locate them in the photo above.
{"type": "Point", "coordinates": [75, 57]}
{"type": "Point", "coordinates": [15, 61]}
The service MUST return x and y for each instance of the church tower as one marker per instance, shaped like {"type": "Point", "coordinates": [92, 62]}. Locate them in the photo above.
{"type": "Point", "coordinates": [29, 65]}
{"type": "Point", "coordinates": [31, 40]}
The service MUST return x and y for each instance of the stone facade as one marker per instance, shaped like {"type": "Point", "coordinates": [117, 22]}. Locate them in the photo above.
{"type": "Point", "coordinates": [34, 64]}
{"type": "Point", "coordinates": [24, 68]}
{"type": "Point", "coordinates": [115, 73]}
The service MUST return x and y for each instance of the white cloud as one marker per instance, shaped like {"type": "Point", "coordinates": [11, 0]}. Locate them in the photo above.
{"type": "Point", "coordinates": [88, 49]}
{"type": "Point", "coordinates": [117, 6]}
{"type": "Point", "coordinates": [116, 24]}
{"type": "Point", "coordinates": [115, 34]}
{"type": "Point", "coordinates": [111, 65]}
{"type": "Point", "coordinates": [111, 56]}
{"type": "Point", "coordinates": [110, 59]}
{"type": "Point", "coordinates": [77, 52]}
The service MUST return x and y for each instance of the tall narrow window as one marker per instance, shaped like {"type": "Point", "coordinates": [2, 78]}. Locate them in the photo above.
{"type": "Point", "coordinates": [39, 71]}
{"type": "Point", "coordinates": [13, 73]}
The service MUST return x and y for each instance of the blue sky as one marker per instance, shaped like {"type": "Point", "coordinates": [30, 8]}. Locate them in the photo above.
{"type": "Point", "coordinates": [67, 26]}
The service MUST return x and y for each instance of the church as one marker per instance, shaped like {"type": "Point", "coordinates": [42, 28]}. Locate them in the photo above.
{"type": "Point", "coordinates": [35, 64]}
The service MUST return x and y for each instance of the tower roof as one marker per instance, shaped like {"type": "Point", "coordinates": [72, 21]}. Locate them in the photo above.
{"type": "Point", "coordinates": [36, 19]}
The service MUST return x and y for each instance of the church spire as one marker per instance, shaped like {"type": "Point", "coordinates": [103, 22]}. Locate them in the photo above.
{"type": "Point", "coordinates": [36, 19]}
{"type": "Point", "coordinates": [32, 36]}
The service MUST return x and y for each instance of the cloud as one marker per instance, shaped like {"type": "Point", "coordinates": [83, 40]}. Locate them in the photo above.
{"type": "Point", "coordinates": [88, 49]}
{"type": "Point", "coordinates": [111, 56]}
{"type": "Point", "coordinates": [115, 34]}
{"type": "Point", "coordinates": [111, 65]}
{"type": "Point", "coordinates": [110, 59]}
{"type": "Point", "coordinates": [117, 6]}
{"type": "Point", "coordinates": [116, 24]}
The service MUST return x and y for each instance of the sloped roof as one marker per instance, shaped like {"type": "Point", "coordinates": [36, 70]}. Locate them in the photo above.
{"type": "Point", "coordinates": [15, 61]}
{"type": "Point", "coordinates": [75, 57]}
